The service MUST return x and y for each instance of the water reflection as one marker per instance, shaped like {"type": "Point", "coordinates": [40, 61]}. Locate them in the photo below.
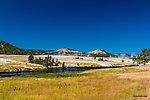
{"type": "Point", "coordinates": [56, 70]}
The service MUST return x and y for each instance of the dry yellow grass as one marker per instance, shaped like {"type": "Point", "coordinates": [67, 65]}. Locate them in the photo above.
{"type": "Point", "coordinates": [100, 84]}
{"type": "Point", "coordinates": [142, 76]}
{"type": "Point", "coordinates": [93, 85]}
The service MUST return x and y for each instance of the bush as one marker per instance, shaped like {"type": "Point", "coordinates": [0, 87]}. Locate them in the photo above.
{"type": "Point", "coordinates": [76, 57]}
{"type": "Point", "coordinates": [100, 59]}
{"type": "Point", "coordinates": [31, 58]}
{"type": "Point", "coordinates": [47, 62]}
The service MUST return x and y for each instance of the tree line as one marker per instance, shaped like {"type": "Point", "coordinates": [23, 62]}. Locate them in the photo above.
{"type": "Point", "coordinates": [47, 61]}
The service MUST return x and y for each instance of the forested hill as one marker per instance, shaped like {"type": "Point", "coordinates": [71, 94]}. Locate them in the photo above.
{"type": "Point", "coordinates": [6, 48]}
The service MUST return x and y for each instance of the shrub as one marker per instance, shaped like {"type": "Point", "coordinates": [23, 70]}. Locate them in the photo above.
{"type": "Point", "coordinates": [76, 57]}
{"type": "Point", "coordinates": [100, 59]}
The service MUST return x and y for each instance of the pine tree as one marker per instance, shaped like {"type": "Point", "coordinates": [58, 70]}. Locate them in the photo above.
{"type": "Point", "coordinates": [63, 64]}
{"type": "Point", "coordinates": [53, 60]}
{"type": "Point", "coordinates": [143, 57]}
{"type": "Point", "coordinates": [31, 58]}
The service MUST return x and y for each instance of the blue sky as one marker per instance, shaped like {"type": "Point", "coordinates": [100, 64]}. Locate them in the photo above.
{"type": "Point", "coordinates": [118, 26]}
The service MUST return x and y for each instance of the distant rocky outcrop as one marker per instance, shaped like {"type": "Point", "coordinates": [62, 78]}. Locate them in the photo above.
{"type": "Point", "coordinates": [6, 48]}
{"type": "Point", "coordinates": [67, 51]}
{"type": "Point", "coordinates": [99, 51]}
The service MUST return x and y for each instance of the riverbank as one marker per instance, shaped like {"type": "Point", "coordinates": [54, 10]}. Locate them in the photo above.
{"type": "Point", "coordinates": [56, 70]}
{"type": "Point", "coordinates": [94, 84]}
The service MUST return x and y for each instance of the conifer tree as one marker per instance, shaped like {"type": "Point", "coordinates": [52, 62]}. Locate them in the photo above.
{"type": "Point", "coordinates": [63, 64]}
{"type": "Point", "coordinates": [143, 57]}
{"type": "Point", "coordinates": [31, 58]}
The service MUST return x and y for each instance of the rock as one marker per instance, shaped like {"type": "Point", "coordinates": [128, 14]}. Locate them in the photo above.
{"type": "Point", "coordinates": [67, 51]}
{"type": "Point", "coordinates": [99, 51]}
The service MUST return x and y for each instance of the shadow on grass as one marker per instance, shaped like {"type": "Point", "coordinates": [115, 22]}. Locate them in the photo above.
{"type": "Point", "coordinates": [54, 75]}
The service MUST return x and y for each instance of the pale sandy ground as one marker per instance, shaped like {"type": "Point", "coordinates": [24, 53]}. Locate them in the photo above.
{"type": "Point", "coordinates": [109, 62]}
{"type": "Point", "coordinates": [22, 61]}
{"type": "Point", "coordinates": [6, 61]}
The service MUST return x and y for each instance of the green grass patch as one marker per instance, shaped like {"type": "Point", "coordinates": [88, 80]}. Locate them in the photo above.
{"type": "Point", "coordinates": [82, 73]}
{"type": "Point", "coordinates": [54, 75]}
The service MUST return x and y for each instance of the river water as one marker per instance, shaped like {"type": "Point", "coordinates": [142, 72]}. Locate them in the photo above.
{"type": "Point", "coordinates": [57, 70]}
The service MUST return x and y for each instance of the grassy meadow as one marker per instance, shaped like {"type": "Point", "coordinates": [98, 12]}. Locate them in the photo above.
{"type": "Point", "coordinates": [102, 84]}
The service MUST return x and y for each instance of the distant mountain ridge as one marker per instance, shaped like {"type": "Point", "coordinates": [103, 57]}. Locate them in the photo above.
{"type": "Point", "coordinates": [98, 51]}
{"type": "Point", "coordinates": [67, 51]}
{"type": "Point", "coordinates": [6, 48]}
{"type": "Point", "coordinates": [70, 51]}
{"type": "Point", "coordinates": [40, 52]}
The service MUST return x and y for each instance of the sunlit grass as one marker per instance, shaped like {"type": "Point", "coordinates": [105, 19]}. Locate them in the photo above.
{"type": "Point", "coordinates": [100, 84]}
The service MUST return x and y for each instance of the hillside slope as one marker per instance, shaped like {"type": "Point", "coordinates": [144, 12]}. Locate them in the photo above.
{"type": "Point", "coordinates": [6, 48]}
{"type": "Point", "coordinates": [67, 51]}
{"type": "Point", "coordinates": [99, 51]}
